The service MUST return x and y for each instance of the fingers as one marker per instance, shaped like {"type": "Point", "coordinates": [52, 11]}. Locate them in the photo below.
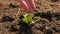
{"type": "Point", "coordinates": [24, 5]}
{"type": "Point", "coordinates": [32, 4]}
{"type": "Point", "coordinates": [28, 5]}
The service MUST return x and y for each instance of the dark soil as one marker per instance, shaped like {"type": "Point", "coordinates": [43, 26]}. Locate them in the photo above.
{"type": "Point", "coordinates": [11, 15]}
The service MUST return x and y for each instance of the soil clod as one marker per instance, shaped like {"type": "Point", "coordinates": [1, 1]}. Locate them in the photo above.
{"type": "Point", "coordinates": [7, 18]}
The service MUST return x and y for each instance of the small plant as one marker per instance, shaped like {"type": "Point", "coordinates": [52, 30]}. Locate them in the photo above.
{"type": "Point", "coordinates": [29, 19]}
{"type": "Point", "coordinates": [29, 7]}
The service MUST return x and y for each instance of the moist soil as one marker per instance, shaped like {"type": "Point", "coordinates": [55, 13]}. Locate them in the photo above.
{"type": "Point", "coordinates": [11, 15]}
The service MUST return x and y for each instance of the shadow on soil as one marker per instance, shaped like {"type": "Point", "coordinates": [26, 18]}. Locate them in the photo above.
{"type": "Point", "coordinates": [24, 28]}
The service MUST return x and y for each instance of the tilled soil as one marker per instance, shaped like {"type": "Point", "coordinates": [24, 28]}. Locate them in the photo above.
{"type": "Point", "coordinates": [11, 14]}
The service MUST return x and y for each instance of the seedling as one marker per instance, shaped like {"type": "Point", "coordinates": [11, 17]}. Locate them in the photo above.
{"type": "Point", "coordinates": [29, 19]}
{"type": "Point", "coordinates": [29, 7]}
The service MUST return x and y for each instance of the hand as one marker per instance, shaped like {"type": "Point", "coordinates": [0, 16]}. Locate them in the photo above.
{"type": "Point", "coordinates": [28, 5]}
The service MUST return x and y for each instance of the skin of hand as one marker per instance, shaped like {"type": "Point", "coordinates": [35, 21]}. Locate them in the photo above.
{"type": "Point", "coordinates": [28, 5]}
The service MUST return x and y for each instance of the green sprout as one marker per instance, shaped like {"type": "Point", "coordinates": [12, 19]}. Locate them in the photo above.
{"type": "Point", "coordinates": [29, 19]}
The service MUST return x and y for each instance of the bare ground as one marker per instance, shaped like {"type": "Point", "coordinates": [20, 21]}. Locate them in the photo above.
{"type": "Point", "coordinates": [11, 13]}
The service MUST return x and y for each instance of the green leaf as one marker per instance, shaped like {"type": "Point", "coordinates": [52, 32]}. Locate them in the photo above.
{"type": "Point", "coordinates": [28, 19]}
